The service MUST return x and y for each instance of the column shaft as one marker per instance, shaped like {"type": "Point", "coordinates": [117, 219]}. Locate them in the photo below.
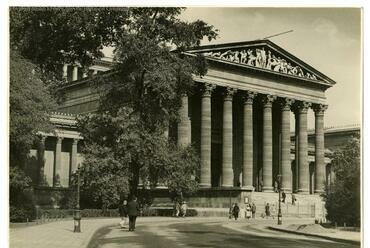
{"type": "Point", "coordinates": [303, 166]}
{"type": "Point", "coordinates": [74, 156]}
{"type": "Point", "coordinates": [227, 141]}
{"type": "Point", "coordinates": [41, 160]}
{"type": "Point", "coordinates": [58, 160]}
{"type": "Point", "coordinates": [267, 144]}
{"type": "Point", "coordinates": [286, 171]}
{"type": "Point", "coordinates": [183, 128]}
{"type": "Point", "coordinates": [320, 168]}
{"type": "Point", "coordinates": [205, 138]}
{"type": "Point", "coordinates": [247, 179]}
{"type": "Point", "coordinates": [65, 71]}
{"type": "Point", "coordinates": [75, 73]}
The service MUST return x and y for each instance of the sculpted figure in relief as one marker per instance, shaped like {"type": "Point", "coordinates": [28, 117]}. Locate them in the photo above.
{"type": "Point", "coordinates": [262, 59]}
{"type": "Point", "coordinates": [251, 57]}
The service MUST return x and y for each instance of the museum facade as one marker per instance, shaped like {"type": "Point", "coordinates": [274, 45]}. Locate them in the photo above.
{"type": "Point", "coordinates": [238, 118]}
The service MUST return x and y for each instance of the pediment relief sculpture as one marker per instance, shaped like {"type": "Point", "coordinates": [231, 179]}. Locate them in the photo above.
{"type": "Point", "coordinates": [262, 58]}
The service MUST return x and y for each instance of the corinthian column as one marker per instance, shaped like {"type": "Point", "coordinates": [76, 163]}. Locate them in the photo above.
{"type": "Point", "coordinates": [247, 182]}
{"type": "Point", "coordinates": [75, 73]}
{"type": "Point", "coordinates": [74, 156]}
{"type": "Point", "coordinates": [205, 137]}
{"type": "Point", "coordinates": [65, 71]}
{"type": "Point", "coordinates": [267, 143]}
{"type": "Point", "coordinates": [58, 165]}
{"type": "Point", "coordinates": [303, 168]}
{"type": "Point", "coordinates": [183, 128]}
{"type": "Point", "coordinates": [41, 160]}
{"type": "Point", "coordinates": [286, 172]}
{"type": "Point", "coordinates": [319, 148]}
{"type": "Point", "coordinates": [227, 139]}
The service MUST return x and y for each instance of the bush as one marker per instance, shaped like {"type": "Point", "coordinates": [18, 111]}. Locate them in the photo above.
{"type": "Point", "coordinates": [22, 213]}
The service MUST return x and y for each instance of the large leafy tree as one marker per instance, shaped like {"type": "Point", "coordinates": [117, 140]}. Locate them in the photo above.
{"type": "Point", "coordinates": [143, 96]}
{"type": "Point", "coordinates": [343, 198]}
{"type": "Point", "coordinates": [30, 103]}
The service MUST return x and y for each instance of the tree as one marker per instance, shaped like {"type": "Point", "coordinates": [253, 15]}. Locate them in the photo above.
{"type": "Point", "coordinates": [141, 98]}
{"type": "Point", "coordinates": [52, 36]}
{"type": "Point", "coordinates": [343, 198]}
{"type": "Point", "coordinates": [29, 104]}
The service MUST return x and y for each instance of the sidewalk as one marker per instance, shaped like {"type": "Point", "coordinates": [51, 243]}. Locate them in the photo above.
{"type": "Point", "coordinates": [57, 234]}
{"type": "Point", "coordinates": [270, 227]}
{"type": "Point", "coordinates": [335, 235]}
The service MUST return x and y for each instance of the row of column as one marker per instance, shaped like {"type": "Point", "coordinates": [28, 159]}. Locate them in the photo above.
{"type": "Point", "coordinates": [75, 72]}
{"type": "Point", "coordinates": [57, 161]}
{"type": "Point", "coordinates": [300, 108]}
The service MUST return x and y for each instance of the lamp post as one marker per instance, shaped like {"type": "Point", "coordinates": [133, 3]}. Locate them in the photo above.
{"type": "Point", "coordinates": [280, 221]}
{"type": "Point", "coordinates": [77, 214]}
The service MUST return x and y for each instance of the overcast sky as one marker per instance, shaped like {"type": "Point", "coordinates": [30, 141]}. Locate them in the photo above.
{"type": "Point", "coordinates": [329, 39]}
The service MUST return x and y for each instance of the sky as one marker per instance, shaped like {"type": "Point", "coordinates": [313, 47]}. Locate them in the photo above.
{"type": "Point", "coordinates": [328, 39]}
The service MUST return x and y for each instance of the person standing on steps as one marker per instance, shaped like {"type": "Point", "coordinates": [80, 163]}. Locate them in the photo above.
{"type": "Point", "coordinates": [253, 208]}
{"type": "Point", "coordinates": [133, 212]}
{"type": "Point", "coordinates": [236, 210]}
{"type": "Point", "coordinates": [283, 195]}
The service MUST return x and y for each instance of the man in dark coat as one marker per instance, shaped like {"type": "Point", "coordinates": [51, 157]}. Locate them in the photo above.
{"type": "Point", "coordinates": [133, 212]}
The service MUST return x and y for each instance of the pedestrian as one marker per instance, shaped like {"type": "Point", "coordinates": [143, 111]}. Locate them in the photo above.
{"type": "Point", "coordinates": [273, 211]}
{"type": "Point", "coordinates": [248, 211]}
{"type": "Point", "coordinates": [132, 211]}
{"type": "Point", "coordinates": [267, 210]}
{"type": "Point", "coordinates": [236, 210]}
{"type": "Point", "coordinates": [178, 208]}
{"type": "Point", "coordinates": [253, 208]}
{"type": "Point", "coordinates": [293, 199]}
{"type": "Point", "coordinates": [283, 195]}
{"type": "Point", "coordinates": [123, 213]}
{"type": "Point", "coordinates": [231, 211]}
{"type": "Point", "coordinates": [184, 208]}
{"type": "Point", "coordinates": [276, 186]}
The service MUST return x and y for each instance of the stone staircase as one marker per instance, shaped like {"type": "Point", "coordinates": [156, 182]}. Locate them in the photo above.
{"type": "Point", "coordinates": [306, 206]}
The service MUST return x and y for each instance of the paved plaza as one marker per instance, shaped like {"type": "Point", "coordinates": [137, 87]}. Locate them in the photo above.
{"type": "Point", "coordinates": [173, 232]}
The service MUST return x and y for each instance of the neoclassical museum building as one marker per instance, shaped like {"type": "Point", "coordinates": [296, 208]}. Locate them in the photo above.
{"type": "Point", "coordinates": [238, 119]}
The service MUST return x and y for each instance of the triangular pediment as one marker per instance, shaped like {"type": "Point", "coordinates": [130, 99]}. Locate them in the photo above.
{"type": "Point", "coordinates": [262, 55]}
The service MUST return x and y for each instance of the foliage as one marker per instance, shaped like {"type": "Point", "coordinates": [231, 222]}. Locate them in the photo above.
{"type": "Point", "coordinates": [124, 139]}
{"type": "Point", "coordinates": [343, 199]}
{"type": "Point", "coordinates": [52, 36]}
{"type": "Point", "coordinates": [20, 196]}
{"type": "Point", "coordinates": [29, 104]}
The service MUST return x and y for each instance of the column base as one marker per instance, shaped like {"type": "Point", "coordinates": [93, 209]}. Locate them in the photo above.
{"type": "Point", "coordinates": [248, 188]}
{"type": "Point", "coordinates": [303, 191]}
{"type": "Point", "coordinates": [205, 185]}
{"type": "Point", "coordinates": [287, 190]}
{"type": "Point", "coordinates": [319, 191]}
{"type": "Point", "coordinates": [267, 189]}
{"type": "Point", "coordinates": [227, 186]}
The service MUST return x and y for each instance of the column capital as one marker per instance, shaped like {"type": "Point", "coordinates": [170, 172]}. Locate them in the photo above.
{"type": "Point", "coordinates": [301, 107]}
{"type": "Point", "coordinates": [248, 96]}
{"type": "Point", "coordinates": [75, 141]}
{"type": "Point", "coordinates": [207, 90]}
{"type": "Point", "coordinates": [59, 139]}
{"type": "Point", "coordinates": [319, 109]}
{"type": "Point", "coordinates": [42, 138]}
{"type": "Point", "coordinates": [267, 100]}
{"type": "Point", "coordinates": [286, 104]}
{"type": "Point", "coordinates": [228, 93]}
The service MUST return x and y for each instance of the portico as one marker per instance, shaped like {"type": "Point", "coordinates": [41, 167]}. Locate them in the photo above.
{"type": "Point", "coordinates": [240, 119]}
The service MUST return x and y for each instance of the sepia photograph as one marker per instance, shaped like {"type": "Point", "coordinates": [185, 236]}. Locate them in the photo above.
{"type": "Point", "coordinates": [150, 127]}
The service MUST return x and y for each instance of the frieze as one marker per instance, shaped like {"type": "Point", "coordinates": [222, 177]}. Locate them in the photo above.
{"type": "Point", "coordinates": [262, 58]}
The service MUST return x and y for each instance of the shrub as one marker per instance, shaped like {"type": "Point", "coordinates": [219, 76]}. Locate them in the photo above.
{"type": "Point", "coordinates": [22, 213]}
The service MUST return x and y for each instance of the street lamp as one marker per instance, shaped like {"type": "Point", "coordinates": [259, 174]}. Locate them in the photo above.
{"type": "Point", "coordinates": [280, 217]}
{"type": "Point", "coordinates": [77, 213]}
